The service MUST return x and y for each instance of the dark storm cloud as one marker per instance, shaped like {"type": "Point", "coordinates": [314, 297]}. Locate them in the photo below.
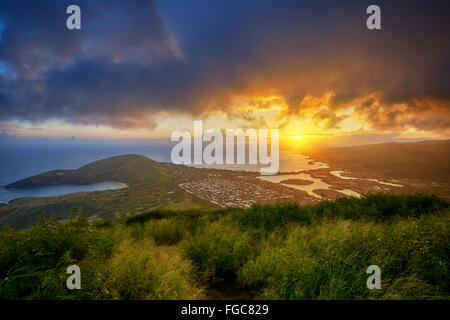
{"type": "Point", "coordinates": [90, 76]}
{"type": "Point", "coordinates": [35, 37]}
{"type": "Point", "coordinates": [134, 58]}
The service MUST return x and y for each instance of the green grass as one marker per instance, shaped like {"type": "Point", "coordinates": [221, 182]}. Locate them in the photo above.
{"type": "Point", "coordinates": [285, 251]}
{"type": "Point", "coordinates": [221, 250]}
{"type": "Point", "coordinates": [328, 261]}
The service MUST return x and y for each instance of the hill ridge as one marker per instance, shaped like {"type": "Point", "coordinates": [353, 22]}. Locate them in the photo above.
{"type": "Point", "coordinates": [132, 169]}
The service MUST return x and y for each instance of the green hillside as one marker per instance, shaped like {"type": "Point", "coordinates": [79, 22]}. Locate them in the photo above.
{"type": "Point", "coordinates": [131, 169]}
{"type": "Point", "coordinates": [150, 186]}
{"type": "Point", "coordinates": [283, 251]}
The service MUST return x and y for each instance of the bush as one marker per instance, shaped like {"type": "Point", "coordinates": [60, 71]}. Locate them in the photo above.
{"type": "Point", "coordinates": [329, 260]}
{"type": "Point", "coordinates": [140, 270]}
{"type": "Point", "coordinates": [221, 250]}
{"type": "Point", "coordinates": [168, 231]}
{"type": "Point", "coordinates": [162, 231]}
{"type": "Point", "coordinates": [270, 217]}
{"type": "Point", "coordinates": [33, 262]}
{"type": "Point", "coordinates": [381, 206]}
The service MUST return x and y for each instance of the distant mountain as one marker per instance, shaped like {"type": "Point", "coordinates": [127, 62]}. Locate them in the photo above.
{"type": "Point", "coordinates": [131, 169]}
{"type": "Point", "coordinates": [425, 160]}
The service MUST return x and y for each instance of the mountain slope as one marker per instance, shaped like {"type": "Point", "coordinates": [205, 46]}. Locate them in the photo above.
{"type": "Point", "coordinates": [150, 186]}
{"type": "Point", "coordinates": [130, 169]}
{"type": "Point", "coordinates": [285, 252]}
{"type": "Point", "coordinates": [425, 160]}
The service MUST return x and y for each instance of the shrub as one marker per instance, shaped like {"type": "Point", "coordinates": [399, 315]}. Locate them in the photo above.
{"type": "Point", "coordinates": [140, 270]}
{"type": "Point", "coordinates": [270, 217]}
{"type": "Point", "coordinates": [329, 260]}
{"type": "Point", "coordinates": [33, 262]}
{"type": "Point", "coordinates": [221, 250]}
{"type": "Point", "coordinates": [162, 231]}
{"type": "Point", "coordinates": [381, 206]}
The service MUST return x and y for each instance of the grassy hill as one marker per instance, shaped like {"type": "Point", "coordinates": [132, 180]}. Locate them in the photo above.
{"type": "Point", "coordinates": [284, 251]}
{"type": "Point", "coordinates": [131, 169]}
{"type": "Point", "coordinates": [150, 186]}
{"type": "Point", "coordinates": [426, 160]}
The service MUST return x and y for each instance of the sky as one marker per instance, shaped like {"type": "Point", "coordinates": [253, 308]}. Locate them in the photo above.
{"type": "Point", "coordinates": [141, 69]}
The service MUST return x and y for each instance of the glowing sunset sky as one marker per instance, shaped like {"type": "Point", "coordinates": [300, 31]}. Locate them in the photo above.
{"type": "Point", "coordinates": [143, 69]}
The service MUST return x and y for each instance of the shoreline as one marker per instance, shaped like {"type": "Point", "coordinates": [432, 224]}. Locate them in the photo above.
{"type": "Point", "coordinates": [108, 186]}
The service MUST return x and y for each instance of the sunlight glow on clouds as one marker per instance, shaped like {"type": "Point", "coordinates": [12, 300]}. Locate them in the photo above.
{"type": "Point", "coordinates": [160, 69]}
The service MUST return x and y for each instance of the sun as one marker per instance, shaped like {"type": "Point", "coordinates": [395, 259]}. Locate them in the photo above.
{"type": "Point", "coordinates": [296, 140]}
